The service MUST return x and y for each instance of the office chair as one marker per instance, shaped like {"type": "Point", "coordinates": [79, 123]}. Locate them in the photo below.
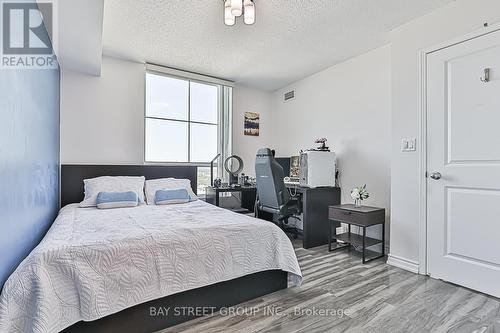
{"type": "Point", "coordinates": [273, 196]}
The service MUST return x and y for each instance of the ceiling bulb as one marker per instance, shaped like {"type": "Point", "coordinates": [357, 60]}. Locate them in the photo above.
{"type": "Point", "coordinates": [249, 13]}
{"type": "Point", "coordinates": [229, 19]}
{"type": "Point", "coordinates": [237, 7]}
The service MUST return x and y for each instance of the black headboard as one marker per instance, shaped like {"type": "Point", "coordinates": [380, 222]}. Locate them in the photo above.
{"type": "Point", "coordinates": [72, 176]}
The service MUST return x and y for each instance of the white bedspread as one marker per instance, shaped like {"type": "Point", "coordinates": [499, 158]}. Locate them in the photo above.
{"type": "Point", "coordinates": [93, 263]}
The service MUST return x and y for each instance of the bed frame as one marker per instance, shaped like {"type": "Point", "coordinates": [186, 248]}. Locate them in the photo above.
{"type": "Point", "coordinates": [72, 176]}
{"type": "Point", "coordinates": [146, 317]}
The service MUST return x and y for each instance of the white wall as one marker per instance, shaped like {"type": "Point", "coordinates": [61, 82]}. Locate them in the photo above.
{"type": "Point", "coordinates": [80, 41]}
{"type": "Point", "coordinates": [350, 104]}
{"type": "Point", "coordinates": [102, 118]}
{"type": "Point", "coordinates": [452, 21]}
{"type": "Point", "coordinates": [251, 100]}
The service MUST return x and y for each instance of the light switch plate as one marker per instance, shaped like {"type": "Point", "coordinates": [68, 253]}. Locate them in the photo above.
{"type": "Point", "coordinates": [408, 144]}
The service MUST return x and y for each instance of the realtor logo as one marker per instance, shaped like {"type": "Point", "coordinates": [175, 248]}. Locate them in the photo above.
{"type": "Point", "coordinates": [28, 35]}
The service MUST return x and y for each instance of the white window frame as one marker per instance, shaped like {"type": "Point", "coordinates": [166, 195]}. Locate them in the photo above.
{"type": "Point", "coordinates": [224, 118]}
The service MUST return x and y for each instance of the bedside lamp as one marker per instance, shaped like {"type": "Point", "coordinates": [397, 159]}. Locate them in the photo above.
{"type": "Point", "coordinates": [212, 169]}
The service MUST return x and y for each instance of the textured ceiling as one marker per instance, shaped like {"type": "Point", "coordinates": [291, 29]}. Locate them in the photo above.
{"type": "Point", "coordinates": [290, 39]}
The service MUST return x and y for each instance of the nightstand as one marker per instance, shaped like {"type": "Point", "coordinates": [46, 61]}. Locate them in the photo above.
{"type": "Point", "coordinates": [362, 217]}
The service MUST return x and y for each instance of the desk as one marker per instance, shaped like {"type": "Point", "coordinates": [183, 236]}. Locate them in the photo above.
{"type": "Point", "coordinates": [315, 203]}
{"type": "Point", "coordinates": [248, 194]}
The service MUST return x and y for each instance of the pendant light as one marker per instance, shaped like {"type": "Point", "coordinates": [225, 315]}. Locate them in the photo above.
{"type": "Point", "coordinates": [237, 7]}
{"type": "Point", "coordinates": [229, 19]}
{"type": "Point", "coordinates": [249, 12]}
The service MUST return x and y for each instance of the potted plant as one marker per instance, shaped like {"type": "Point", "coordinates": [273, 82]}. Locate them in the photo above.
{"type": "Point", "coordinates": [322, 142]}
{"type": "Point", "coordinates": [358, 194]}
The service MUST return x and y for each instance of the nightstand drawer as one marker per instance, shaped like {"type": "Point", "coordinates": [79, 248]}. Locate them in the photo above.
{"type": "Point", "coordinates": [357, 218]}
{"type": "Point", "coordinates": [345, 215]}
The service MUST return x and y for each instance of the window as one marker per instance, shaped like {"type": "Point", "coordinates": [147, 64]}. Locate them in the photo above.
{"type": "Point", "coordinates": [204, 178]}
{"type": "Point", "coordinates": [187, 118]}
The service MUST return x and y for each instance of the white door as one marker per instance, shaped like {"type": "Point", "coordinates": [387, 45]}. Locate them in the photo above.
{"type": "Point", "coordinates": [463, 159]}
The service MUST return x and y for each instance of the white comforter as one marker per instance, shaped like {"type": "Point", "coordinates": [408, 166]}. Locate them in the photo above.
{"type": "Point", "coordinates": [93, 263]}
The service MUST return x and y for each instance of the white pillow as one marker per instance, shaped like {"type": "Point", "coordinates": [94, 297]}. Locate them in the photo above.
{"type": "Point", "coordinates": [154, 185]}
{"type": "Point", "coordinates": [93, 186]}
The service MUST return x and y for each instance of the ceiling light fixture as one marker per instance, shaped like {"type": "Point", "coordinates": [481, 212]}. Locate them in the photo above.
{"type": "Point", "coordinates": [229, 19]}
{"type": "Point", "coordinates": [236, 8]}
{"type": "Point", "coordinates": [249, 17]}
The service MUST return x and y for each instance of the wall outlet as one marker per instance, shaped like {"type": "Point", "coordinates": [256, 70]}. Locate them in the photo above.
{"type": "Point", "coordinates": [408, 145]}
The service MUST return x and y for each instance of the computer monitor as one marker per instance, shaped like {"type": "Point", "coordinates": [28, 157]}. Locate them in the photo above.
{"type": "Point", "coordinates": [285, 164]}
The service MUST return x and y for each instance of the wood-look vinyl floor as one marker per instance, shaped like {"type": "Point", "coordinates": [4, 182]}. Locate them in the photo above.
{"type": "Point", "coordinates": [339, 294]}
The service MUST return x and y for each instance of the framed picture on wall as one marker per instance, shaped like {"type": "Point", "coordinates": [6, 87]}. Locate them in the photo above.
{"type": "Point", "coordinates": [251, 126]}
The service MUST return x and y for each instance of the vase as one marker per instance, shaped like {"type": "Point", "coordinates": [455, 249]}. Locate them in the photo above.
{"type": "Point", "coordinates": [357, 203]}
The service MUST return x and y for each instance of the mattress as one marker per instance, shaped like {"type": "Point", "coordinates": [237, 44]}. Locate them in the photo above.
{"type": "Point", "coordinates": [93, 263]}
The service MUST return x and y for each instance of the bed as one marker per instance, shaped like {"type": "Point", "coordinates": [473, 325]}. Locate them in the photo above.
{"type": "Point", "coordinates": [103, 270]}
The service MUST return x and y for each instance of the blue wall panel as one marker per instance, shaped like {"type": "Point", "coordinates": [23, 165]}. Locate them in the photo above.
{"type": "Point", "coordinates": [29, 161]}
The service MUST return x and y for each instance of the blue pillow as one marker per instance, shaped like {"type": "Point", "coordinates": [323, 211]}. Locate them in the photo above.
{"type": "Point", "coordinates": [107, 200]}
{"type": "Point", "coordinates": [171, 196]}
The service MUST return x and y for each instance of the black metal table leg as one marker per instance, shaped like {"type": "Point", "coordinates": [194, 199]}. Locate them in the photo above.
{"type": "Point", "coordinates": [334, 231]}
{"type": "Point", "coordinates": [349, 232]}
{"type": "Point", "coordinates": [364, 236]}
{"type": "Point", "coordinates": [330, 236]}
{"type": "Point", "coordinates": [383, 239]}
{"type": "Point", "coordinates": [382, 254]}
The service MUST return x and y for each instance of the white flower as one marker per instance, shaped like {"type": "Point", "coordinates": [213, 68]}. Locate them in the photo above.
{"type": "Point", "coordinates": [355, 195]}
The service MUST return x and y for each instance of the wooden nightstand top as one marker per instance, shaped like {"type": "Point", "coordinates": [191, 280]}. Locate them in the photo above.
{"type": "Point", "coordinates": [361, 216]}
{"type": "Point", "coordinates": [362, 209]}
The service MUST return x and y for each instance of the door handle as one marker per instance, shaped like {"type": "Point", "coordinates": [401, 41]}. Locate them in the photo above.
{"type": "Point", "coordinates": [436, 176]}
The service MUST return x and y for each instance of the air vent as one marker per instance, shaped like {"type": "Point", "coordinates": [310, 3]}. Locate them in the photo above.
{"type": "Point", "coordinates": [289, 95]}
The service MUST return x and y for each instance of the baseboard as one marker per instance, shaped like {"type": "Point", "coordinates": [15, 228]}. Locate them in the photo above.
{"type": "Point", "coordinates": [402, 263]}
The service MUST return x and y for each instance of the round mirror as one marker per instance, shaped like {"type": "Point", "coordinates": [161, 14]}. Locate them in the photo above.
{"type": "Point", "coordinates": [233, 164]}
